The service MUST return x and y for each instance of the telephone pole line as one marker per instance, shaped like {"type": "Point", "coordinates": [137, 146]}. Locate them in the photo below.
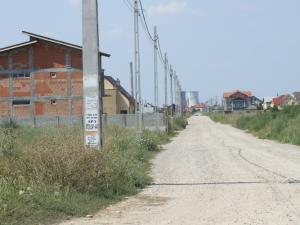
{"type": "Point", "coordinates": [166, 81]}
{"type": "Point", "coordinates": [137, 63]}
{"type": "Point", "coordinates": [175, 92]}
{"type": "Point", "coordinates": [92, 100]}
{"type": "Point", "coordinates": [171, 88]}
{"type": "Point", "coordinates": [131, 79]}
{"type": "Point", "coordinates": [156, 79]}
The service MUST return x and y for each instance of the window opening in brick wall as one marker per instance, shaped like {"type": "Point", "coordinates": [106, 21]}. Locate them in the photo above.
{"type": "Point", "coordinates": [53, 75]}
{"type": "Point", "coordinates": [21, 75]}
{"type": "Point", "coordinates": [21, 102]}
{"type": "Point", "coordinates": [53, 101]}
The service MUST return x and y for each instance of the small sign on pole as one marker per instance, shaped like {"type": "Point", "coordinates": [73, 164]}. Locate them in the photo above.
{"type": "Point", "coordinates": [92, 121]}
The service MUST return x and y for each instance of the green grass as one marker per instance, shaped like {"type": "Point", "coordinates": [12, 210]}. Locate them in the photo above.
{"type": "Point", "coordinates": [179, 123]}
{"type": "Point", "coordinates": [23, 204]}
{"type": "Point", "coordinates": [47, 175]}
{"type": "Point", "coordinates": [283, 126]}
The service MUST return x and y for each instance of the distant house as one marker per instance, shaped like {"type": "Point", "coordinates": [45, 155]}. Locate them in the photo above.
{"type": "Point", "coordinates": [267, 103]}
{"type": "Point", "coordinates": [283, 100]}
{"type": "Point", "coordinates": [116, 99]}
{"type": "Point", "coordinates": [240, 100]}
{"type": "Point", "coordinates": [199, 107]}
{"type": "Point", "coordinates": [296, 96]}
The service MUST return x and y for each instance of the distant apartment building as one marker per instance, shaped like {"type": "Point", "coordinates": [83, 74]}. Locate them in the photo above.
{"type": "Point", "coordinates": [43, 77]}
{"type": "Point", "coordinates": [192, 98]}
{"type": "Point", "coordinates": [240, 100]}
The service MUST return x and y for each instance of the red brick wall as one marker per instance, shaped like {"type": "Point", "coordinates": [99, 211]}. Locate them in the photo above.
{"type": "Point", "coordinates": [77, 84]}
{"type": "Point", "coordinates": [39, 110]}
{"type": "Point", "coordinates": [49, 56]}
{"type": "Point", "coordinates": [20, 59]}
{"type": "Point", "coordinates": [46, 56]}
{"type": "Point", "coordinates": [4, 62]}
{"type": "Point", "coordinates": [45, 108]}
{"type": "Point", "coordinates": [77, 109]}
{"type": "Point", "coordinates": [76, 59]}
{"type": "Point", "coordinates": [4, 110]}
{"type": "Point", "coordinates": [4, 85]}
{"type": "Point", "coordinates": [21, 87]}
{"type": "Point", "coordinates": [21, 110]}
{"type": "Point", "coordinates": [45, 85]}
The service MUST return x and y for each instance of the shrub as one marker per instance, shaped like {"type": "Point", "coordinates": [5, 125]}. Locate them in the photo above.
{"type": "Point", "coordinates": [179, 123]}
{"type": "Point", "coordinates": [48, 173]}
{"type": "Point", "coordinates": [149, 141]}
{"type": "Point", "coordinates": [59, 159]}
{"type": "Point", "coordinates": [9, 124]}
{"type": "Point", "coordinates": [7, 142]}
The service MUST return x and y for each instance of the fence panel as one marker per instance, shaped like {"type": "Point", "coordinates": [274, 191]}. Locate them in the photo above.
{"type": "Point", "coordinates": [122, 120]}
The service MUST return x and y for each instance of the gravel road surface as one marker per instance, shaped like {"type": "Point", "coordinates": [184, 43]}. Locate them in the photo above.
{"type": "Point", "coordinates": [213, 174]}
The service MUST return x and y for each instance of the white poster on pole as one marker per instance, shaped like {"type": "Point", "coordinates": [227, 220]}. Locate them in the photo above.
{"type": "Point", "coordinates": [92, 121]}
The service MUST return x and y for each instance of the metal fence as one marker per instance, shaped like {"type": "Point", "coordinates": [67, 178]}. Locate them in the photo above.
{"type": "Point", "coordinates": [122, 120]}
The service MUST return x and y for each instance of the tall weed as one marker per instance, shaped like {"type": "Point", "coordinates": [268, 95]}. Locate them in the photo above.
{"type": "Point", "coordinates": [283, 126]}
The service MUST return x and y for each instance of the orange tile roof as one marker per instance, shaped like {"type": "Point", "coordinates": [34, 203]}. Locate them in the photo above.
{"type": "Point", "coordinates": [199, 106]}
{"type": "Point", "coordinates": [228, 94]}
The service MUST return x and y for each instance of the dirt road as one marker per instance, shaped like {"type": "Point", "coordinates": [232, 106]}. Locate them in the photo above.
{"type": "Point", "coordinates": [213, 174]}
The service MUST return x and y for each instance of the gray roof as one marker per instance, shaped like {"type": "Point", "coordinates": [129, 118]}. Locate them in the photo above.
{"type": "Point", "coordinates": [34, 38]}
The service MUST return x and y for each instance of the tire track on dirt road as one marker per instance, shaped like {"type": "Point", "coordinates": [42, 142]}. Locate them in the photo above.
{"type": "Point", "coordinates": [287, 180]}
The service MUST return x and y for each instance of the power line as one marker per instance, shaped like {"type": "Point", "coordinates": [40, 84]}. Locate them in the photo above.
{"type": "Point", "coordinates": [145, 21]}
{"type": "Point", "coordinates": [160, 52]}
{"type": "Point", "coordinates": [128, 5]}
{"type": "Point", "coordinates": [146, 27]}
{"type": "Point", "coordinates": [147, 36]}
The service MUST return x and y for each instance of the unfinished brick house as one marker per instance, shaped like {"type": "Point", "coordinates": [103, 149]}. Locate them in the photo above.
{"type": "Point", "coordinates": [42, 77]}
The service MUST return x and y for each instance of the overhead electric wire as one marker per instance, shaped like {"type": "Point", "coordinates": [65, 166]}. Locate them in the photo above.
{"type": "Point", "coordinates": [160, 52]}
{"type": "Point", "coordinates": [151, 41]}
{"type": "Point", "coordinates": [145, 21]}
{"type": "Point", "coordinates": [145, 26]}
{"type": "Point", "coordinates": [128, 5]}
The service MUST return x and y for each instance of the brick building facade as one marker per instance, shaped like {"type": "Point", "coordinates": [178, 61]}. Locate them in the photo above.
{"type": "Point", "coordinates": [41, 77]}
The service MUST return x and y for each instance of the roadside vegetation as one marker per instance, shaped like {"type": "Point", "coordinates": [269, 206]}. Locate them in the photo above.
{"type": "Point", "coordinates": [47, 175]}
{"type": "Point", "coordinates": [282, 126]}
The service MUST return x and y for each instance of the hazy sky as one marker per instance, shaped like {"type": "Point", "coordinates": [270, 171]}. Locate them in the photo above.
{"type": "Point", "coordinates": [215, 45]}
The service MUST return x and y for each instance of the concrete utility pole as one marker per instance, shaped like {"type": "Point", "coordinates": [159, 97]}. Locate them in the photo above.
{"type": "Point", "coordinates": [137, 64]}
{"type": "Point", "coordinates": [171, 88]}
{"type": "Point", "coordinates": [177, 94]}
{"type": "Point", "coordinates": [131, 79]}
{"type": "Point", "coordinates": [181, 102]}
{"type": "Point", "coordinates": [156, 78]}
{"type": "Point", "coordinates": [175, 91]}
{"type": "Point", "coordinates": [166, 81]}
{"type": "Point", "coordinates": [91, 77]}
{"type": "Point", "coordinates": [180, 98]}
